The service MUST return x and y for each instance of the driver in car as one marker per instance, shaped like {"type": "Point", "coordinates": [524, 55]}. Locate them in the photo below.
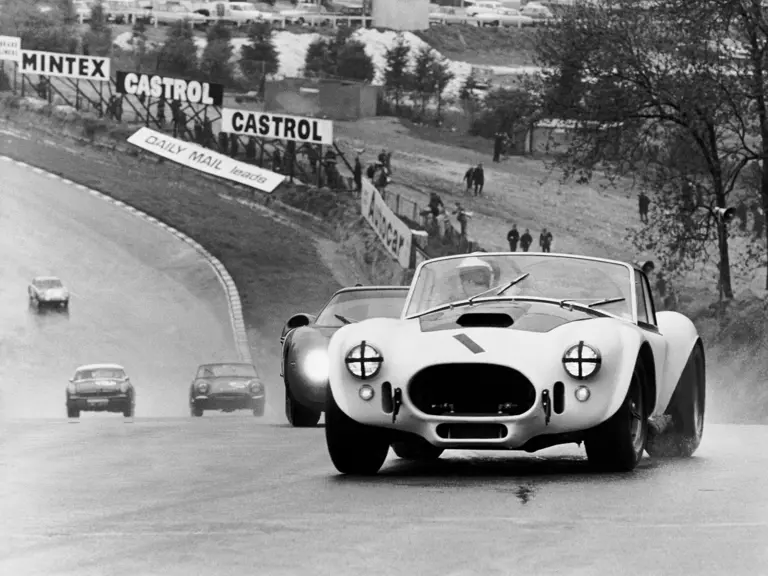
{"type": "Point", "coordinates": [476, 276]}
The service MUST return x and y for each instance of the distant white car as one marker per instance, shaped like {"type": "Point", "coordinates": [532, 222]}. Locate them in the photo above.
{"type": "Point", "coordinates": [503, 17]}
{"type": "Point", "coordinates": [48, 291]}
{"type": "Point", "coordinates": [476, 8]}
{"type": "Point", "coordinates": [447, 15]}
{"type": "Point", "coordinates": [539, 12]}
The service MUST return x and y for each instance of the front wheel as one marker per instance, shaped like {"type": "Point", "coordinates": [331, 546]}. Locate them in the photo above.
{"type": "Point", "coordinates": [128, 411]}
{"type": "Point", "coordinates": [419, 450]}
{"type": "Point", "coordinates": [258, 409]}
{"type": "Point", "coordinates": [299, 416]}
{"type": "Point", "coordinates": [686, 409]}
{"type": "Point", "coordinates": [617, 444]}
{"type": "Point", "coordinates": [195, 410]}
{"type": "Point", "coordinates": [73, 412]}
{"type": "Point", "coordinates": [354, 448]}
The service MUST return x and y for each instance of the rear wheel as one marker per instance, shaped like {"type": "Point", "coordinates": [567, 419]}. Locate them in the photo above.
{"type": "Point", "coordinates": [686, 409]}
{"type": "Point", "coordinates": [299, 416]}
{"type": "Point", "coordinates": [354, 448]}
{"type": "Point", "coordinates": [418, 449]}
{"type": "Point", "coordinates": [617, 444]}
{"type": "Point", "coordinates": [73, 412]}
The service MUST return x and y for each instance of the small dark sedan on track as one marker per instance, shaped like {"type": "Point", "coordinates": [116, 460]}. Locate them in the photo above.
{"type": "Point", "coordinates": [100, 388]}
{"type": "Point", "coordinates": [227, 386]}
{"type": "Point", "coordinates": [305, 340]}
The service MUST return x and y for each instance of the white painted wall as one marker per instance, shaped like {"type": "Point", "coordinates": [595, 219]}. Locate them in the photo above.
{"type": "Point", "coordinates": [401, 14]}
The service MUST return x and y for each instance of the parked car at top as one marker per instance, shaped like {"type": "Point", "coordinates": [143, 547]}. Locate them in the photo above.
{"type": "Point", "coordinates": [235, 13]}
{"type": "Point", "coordinates": [100, 388]}
{"type": "Point", "coordinates": [540, 13]}
{"type": "Point", "coordinates": [503, 17]}
{"type": "Point", "coordinates": [174, 13]}
{"type": "Point", "coordinates": [227, 386]}
{"type": "Point", "coordinates": [443, 15]}
{"type": "Point", "coordinates": [475, 8]}
{"type": "Point", "coordinates": [518, 351]}
{"type": "Point", "coordinates": [304, 366]}
{"type": "Point", "coordinates": [48, 291]}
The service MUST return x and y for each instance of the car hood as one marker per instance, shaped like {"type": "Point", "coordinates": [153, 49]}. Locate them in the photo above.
{"type": "Point", "coordinates": [54, 293]}
{"type": "Point", "coordinates": [97, 385]}
{"type": "Point", "coordinates": [526, 316]}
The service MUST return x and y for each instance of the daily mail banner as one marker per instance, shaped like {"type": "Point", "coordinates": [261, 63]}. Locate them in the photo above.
{"type": "Point", "coordinates": [156, 86]}
{"type": "Point", "coordinates": [10, 48]}
{"type": "Point", "coordinates": [77, 66]}
{"type": "Point", "coordinates": [392, 231]}
{"type": "Point", "coordinates": [204, 160]}
{"type": "Point", "coordinates": [277, 126]}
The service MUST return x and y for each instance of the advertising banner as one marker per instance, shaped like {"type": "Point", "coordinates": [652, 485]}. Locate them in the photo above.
{"type": "Point", "coordinates": [76, 66]}
{"type": "Point", "coordinates": [10, 48]}
{"type": "Point", "coordinates": [392, 231]}
{"type": "Point", "coordinates": [156, 86]}
{"type": "Point", "coordinates": [204, 160]}
{"type": "Point", "coordinates": [278, 126]}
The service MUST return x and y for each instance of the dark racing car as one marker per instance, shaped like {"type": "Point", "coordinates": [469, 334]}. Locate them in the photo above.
{"type": "Point", "coordinates": [100, 388]}
{"type": "Point", "coordinates": [305, 342]}
{"type": "Point", "coordinates": [227, 386]}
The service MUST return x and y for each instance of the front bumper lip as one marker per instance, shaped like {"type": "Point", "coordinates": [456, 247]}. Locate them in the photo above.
{"type": "Point", "coordinates": [97, 403]}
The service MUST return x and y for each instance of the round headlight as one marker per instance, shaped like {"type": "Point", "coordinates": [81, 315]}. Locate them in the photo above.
{"type": "Point", "coordinates": [202, 387]}
{"type": "Point", "coordinates": [581, 361]}
{"type": "Point", "coordinates": [71, 388]}
{"type": "Point", "coordinates": [255, 387]}
{"type": "Point", "coordinates": [123, 386]}
{"type": "Point", "coordinates": [363, 361]}
{"type": "Point", "coordinates": [315, 365]}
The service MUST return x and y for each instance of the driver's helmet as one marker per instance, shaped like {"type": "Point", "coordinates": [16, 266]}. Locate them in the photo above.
{"type": "Point", "coordinates": [476, 275]}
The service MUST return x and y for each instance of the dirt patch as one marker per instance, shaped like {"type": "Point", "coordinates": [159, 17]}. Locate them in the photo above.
{"type": "Point", "coordinates": [482, 46]}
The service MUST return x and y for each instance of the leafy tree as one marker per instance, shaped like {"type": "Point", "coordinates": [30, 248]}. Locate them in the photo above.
{"type": "Point", "coordinates": [397, 77]}
{"type": "Point", "coordinates": [38, 30]}
{"type": "Point", "coordinates": [98, 39]}
{"type": "Point", "coordinates": [318, 59]}
{"type": "Point", "coordinates": [178, 55]}
{"type": "Point", "coordinates": [341, 57]}
{"type": "Point", "coordinates": [441, 77]}
{"type": "Point", "coordinates": [423, 81]}
{"type": "Point", "coordinates": [215, 62]}
{"type": "Point", "coordinates": [655, 99]}
{"type": "Point", "coordinates": [259, 57]}
{"type": "Point", "coordinates": [139, 41]}
{"type": "Point", "coordinates": [354, 63]}
{"type": "Point", "coordinates": [505, 110]}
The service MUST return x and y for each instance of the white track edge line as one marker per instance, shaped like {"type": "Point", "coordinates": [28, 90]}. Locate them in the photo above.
{"type": "Point", "coordinates": [237, 322]}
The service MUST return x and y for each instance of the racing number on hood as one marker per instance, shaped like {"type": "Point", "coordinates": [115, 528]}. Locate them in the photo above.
{"type": "Point", "coordinates": [471, 345]}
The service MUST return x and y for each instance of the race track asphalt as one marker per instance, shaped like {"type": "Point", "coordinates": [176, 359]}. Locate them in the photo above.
{"type": "Point", "coordinates": [235, 496]}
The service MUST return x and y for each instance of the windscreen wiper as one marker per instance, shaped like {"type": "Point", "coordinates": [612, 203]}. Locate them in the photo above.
{"type": "Point", "coordinates": [606, 301]}
{"type": "Point", "coordinates": [344, 319]}
{"type": "Point", "coordinates": [501, 288]}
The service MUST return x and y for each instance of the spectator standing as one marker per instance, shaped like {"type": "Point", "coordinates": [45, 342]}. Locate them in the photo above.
{"type": "Point", "coordinates": [469, 178]}
{"type": "Point", "coordinates": [250, 149]}
{"type": "Point", "coordinates": [385, 159]}
{"type": "Point", "coordinates": [358, 174]}
{"type": "Point", "coordinates": [526, 240]}
{"type": "Point", "coordinates": [435, 203]}
{"type": "Point", "coordinates": [479, 179]}
{"type": "Point", "coordinates": [462, 217]}
{"type": "Point", "coordinates": [223, 142]}
{"type": "Point", "coordinates": [442, 221]}
{"type": "Point", "coordinates": [643, 203]}
{"type": "Point", "coordinates": [234, 145]}
{"type": "Point", "coordinates": [545, 240]}
{"type": "Point", "coordinates": [277, 161]}
{"type": "Point", "coordinates": [513, 237]}
{"type": "Point", "coordinates": [498, 145]}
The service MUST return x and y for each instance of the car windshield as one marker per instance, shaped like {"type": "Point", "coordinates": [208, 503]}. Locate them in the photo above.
{"type": "Point", "coordinates": [560, 277]}
{"type": "Point", "coordinates": [48, 283]}
{"type": "Point", "coordinates": [99, 373]}
{"type": "Point", "coordinates": [357, 305]}
{"type": "Point", "coordinates": [227, 370]}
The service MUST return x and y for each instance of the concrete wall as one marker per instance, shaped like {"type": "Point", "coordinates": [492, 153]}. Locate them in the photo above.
{"type": "Point", "coordinates": [325, 99]}
{"type": "Point", "coordinates": [401, 14]}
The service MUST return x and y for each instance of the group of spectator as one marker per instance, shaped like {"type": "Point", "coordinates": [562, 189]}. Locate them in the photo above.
{"type": "Point", "coordinates": [514, 238]}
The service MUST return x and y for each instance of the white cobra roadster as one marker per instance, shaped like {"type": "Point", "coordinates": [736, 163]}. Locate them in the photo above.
{"type": "Point", "coordinates": [518, 351]}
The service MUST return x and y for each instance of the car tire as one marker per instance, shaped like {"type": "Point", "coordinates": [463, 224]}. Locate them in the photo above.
{"type": "Point", "coordinates": [418, 450]}
{"type": "Point", "coordinates": [258, 409]}
{"type": "Point", "coordinates": [617, 445]}
{"type": "Point", "coordinates": [354, 448]}
{"type": "Point", "coordinates": [73, 412]}
{"type": "Point", "coordinates": [195, 410]}
{"type": "Point", "coordinates": [299, 416]}
{"type": "Point", "coordinates": [686, 410]}
{"type": "Point", "coordinates": [128, 411]}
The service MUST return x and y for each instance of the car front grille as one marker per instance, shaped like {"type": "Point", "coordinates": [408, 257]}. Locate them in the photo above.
{"type": "Point", "coordinates": [471, 390]}
{"type": "Point", "coordinates": [100, 394]}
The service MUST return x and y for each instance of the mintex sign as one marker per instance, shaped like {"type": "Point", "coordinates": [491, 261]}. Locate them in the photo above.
{"type": "Point", "coordinates": [155, 86]}
{"type": "Point", "coordinates": [205, 160]}
{"type": "Point", "coordinates": [10, 48]}
{"type": "Point", "coordinates": [392, 231]}
{"type": "Point", "coordinates": [277, 126]}
{"type": "Point", "coordinates": [65, 65]}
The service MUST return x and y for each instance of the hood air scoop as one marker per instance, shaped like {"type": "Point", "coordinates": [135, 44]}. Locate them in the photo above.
{"type": "Point", "coordinates": [485, 320]}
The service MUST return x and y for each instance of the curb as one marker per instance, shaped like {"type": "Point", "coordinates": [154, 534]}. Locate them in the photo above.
{"type": "Point", "coordinates": [233, 296]}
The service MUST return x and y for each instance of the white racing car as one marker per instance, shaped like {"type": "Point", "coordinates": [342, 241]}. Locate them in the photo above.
{"type": "Point", "coordinates": [518, 351]}
{"type": "Point", "coordinates": [48, 291]}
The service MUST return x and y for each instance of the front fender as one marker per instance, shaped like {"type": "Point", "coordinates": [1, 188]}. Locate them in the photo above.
{"type": "Point", "coordinates": [681, 336]}
{"type": "Point", "coordinates": [306, 366]}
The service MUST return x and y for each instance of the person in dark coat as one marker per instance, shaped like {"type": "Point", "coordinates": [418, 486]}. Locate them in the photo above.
{"type": "Point", "coordinates": [643, 203]}
{"type": "Point", "coordinates": [435, 202]}
{"type": "Point", "coordinates": [462, 218]}
{"type": "Point", "coordinates": [371, 171]}
{"type": "Point", "coordinates": [223, 142]}
{"type": "Point", "coordinates": [498, 146]}
{"type": "Point", "coordinates": [479, 179]}
{"type": "Point", "coordinates": [513, 237]}
{"type": "Point", "coordinates": [545, 240]}
{"type": "Point", "coordinates": [526, 240]}
{"type": "Point", "coordinates": [234, 145]}
{"type": "Point", "coordinates": [250, 149]}
{"type": "Point", "coordinates": [277, 161]}
{"type": "Point", "coordinates": [469, 178]}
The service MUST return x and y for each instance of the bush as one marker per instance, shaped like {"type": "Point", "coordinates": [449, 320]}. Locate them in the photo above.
{"type": "Point", "coordinates": [341, 57]}
{"type": "Point", "coordinates": [259, 58]}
